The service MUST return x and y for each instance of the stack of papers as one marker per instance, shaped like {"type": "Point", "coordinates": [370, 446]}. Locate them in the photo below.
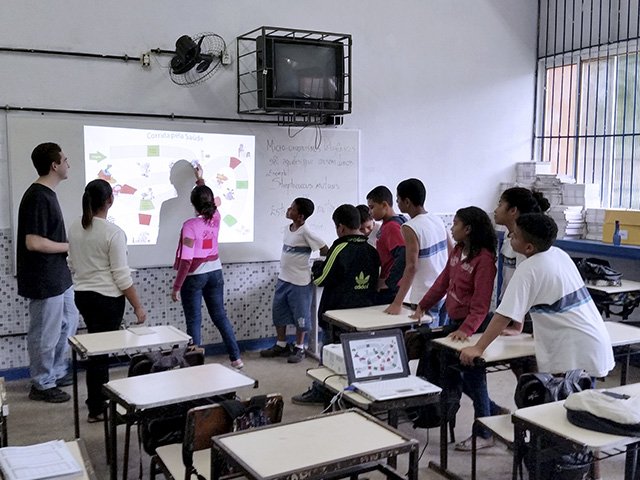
{"type": "Point", "coordinates": [49, 460]}
{"type": "Point", "coordinates": [595, 221]}
{"type": "Point", "coordinates": [570, 220]}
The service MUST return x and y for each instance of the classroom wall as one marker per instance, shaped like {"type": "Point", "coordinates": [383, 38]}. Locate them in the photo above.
{"type": "Point", "coordinates": [442, 90]}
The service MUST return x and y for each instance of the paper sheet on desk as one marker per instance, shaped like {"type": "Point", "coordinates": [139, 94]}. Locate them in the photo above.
{"type": "Point", "coordinates": [142, 330]}
{"type": "Point", "coordinates": [38, 462]}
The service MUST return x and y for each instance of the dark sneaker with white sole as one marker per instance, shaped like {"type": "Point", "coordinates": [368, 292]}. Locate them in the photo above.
{"type": "Point", "coordinates": [296, 356]}
{"type": "Point", "coordinates": [277, 351]}
{"type": "Point", "coordinates": [50, 395]}
{"type": "Point", "coordinates": [313, 396]}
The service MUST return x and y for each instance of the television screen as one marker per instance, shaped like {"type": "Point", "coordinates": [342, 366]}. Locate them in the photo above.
{"type": "Point", "coordinates": [301, 75]}
{"type": "Point", "coordinates": [305, 72]}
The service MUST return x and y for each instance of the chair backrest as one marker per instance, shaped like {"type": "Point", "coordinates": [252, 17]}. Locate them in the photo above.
{"type": "Point", "coordinates": [210, 420]}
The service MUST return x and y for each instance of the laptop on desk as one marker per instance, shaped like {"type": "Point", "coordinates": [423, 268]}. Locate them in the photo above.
{"type": "Point", "coordinates": [377, 366]}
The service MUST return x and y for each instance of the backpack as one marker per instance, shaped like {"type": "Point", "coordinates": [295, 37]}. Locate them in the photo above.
{"type": "Point", "coordinates": [165, 425]}
{"type": "Point", "coordinates": [249, 416]}
{"type": "Point", "coordinates": [538, 388]}
{"type": "Point", "coordinates": [608, 412]}
{"type": "Point", "coordinates": [596, 271]}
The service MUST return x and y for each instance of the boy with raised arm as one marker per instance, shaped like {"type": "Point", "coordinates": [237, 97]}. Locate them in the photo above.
{"type": "Point", "coordinates": [569, 330]}
{"type": "Point", "coordinates": [427, 247]}
{"type": "Point", "coordinates": [294, 290]}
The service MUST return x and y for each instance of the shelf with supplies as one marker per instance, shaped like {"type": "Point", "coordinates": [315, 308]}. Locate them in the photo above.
{"type": "Point", "coordinates": [592, 247]}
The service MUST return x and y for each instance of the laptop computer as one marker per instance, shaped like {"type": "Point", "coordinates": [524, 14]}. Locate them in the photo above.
{"type": "Point", "coordinates": [377, 366]}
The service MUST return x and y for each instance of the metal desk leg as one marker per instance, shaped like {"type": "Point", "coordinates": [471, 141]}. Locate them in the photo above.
{"type": "Point", "coordinates": [76, 412]}
{"type": "Point", "coordinates": [631, 462]}
{"type": "Point", "coordinates": [412, 474]}
{"type": "Point", "coordinates": [113, 448]}
{"type": "Point", "coordinates": [624, 367]}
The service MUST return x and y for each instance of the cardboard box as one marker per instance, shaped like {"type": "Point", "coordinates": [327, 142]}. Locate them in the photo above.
{"type": "Point", "coordinates": [629, 226]}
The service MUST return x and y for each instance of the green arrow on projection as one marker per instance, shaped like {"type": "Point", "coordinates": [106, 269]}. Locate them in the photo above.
{"type": "Point", "coordinates": [97, 156]}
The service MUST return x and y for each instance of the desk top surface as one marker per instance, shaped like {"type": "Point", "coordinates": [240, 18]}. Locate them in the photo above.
{"type": "Point", "coordinates": [371, 318]}
{"type": "Point", "coordinates": [332, 437]}
{"type": "Point", "coordinates": [625, 287]}
{"type": "Point", "coordinates": [553, 418]}
{"type": "Point", "coordinates": [79, 452]}
{"type": "Point", "coordinates": [175, 386]}
{"type": "Point", "coordinates": [505, 348]}
{"type": "Point", "coordinates": [127, 341]}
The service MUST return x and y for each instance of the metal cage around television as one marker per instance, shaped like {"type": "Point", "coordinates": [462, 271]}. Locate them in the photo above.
{"type": "Point", "coordinates": [255, 77]}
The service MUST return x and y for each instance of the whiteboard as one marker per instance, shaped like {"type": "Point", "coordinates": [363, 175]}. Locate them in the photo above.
{"type": "Point", "coordinates": [320, 164]}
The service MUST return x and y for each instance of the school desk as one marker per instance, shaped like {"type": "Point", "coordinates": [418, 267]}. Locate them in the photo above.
{"type": "Point", "coordinates": [335, 445]}
{"type": "Point", "coordinates": [507, 348]}
{"type": "Point", "coordinates": [170, 387]}
{"type": "Point", "coordinates": [549, 421]}
{"type": "Point", "coordinates": [626, 296]}
{"type": "Point", "coordinates": [501, 351]}
{"type": "Point", "coordinates": [335, 383]}
{"type": "Point", "coordinates": [120, 342]}
{"type": "Point", "coordinates": [369, 318]}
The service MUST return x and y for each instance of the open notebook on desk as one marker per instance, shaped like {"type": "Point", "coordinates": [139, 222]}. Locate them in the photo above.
{"type": "Point", "coordinates": [48, 460]}
{"type": "Point", "coordinates": [378, 368]}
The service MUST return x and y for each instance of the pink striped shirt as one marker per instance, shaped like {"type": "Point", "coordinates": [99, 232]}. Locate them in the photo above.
{"type": "Point", "coordinates": [198, 244]}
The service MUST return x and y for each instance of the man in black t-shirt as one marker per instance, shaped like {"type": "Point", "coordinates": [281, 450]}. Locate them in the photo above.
{"type": "Point", "coordinates": [44, 277]}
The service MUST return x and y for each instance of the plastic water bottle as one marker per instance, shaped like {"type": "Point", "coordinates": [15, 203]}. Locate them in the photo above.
{"type": "Point", "coordinates": [616, 233]}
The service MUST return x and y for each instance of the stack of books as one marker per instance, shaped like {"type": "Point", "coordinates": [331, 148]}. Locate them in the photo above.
{"type": "Point", "coordinates": [550, 186]}
{"type": "Point", "coordinates": [526, 172]}
{"type": "Point", "coordinates": [594, 218]}
{"type": "Point", "coordinates": [585, 194]}
{"type": "Point", "coordinates": [570, 220]}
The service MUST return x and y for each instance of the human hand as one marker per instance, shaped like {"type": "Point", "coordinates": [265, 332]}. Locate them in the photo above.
{"type": "Point", "coordinates": [175, 296]}
{"type": "Point", "coordinates": [197, 170]}
{"type": "Point", "coordinates": [458, 336]}
{"type": "Point", "coordinates": [417, 315]}
{"type": "Point", "coordinates": [468, 354]}
{"type": "Point", "coordinates": [140, 314]}
{"type": "Point", "coordinates": [393, 309]}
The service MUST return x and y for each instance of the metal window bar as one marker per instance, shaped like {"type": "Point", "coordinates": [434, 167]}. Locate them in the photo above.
{"type": "Point", "coordinates": [586, 122]}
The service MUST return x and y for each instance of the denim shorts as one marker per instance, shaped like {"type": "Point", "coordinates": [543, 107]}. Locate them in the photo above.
{"type": "Point", "coordinates": [292, 305]}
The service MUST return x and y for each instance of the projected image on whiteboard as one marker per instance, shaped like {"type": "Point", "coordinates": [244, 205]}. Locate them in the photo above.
{"type": "Point", "coordinates": [151, 171]}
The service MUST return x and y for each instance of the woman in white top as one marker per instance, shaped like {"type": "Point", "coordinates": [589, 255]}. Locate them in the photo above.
{"type": "Point", "coordinates": [102, 280]}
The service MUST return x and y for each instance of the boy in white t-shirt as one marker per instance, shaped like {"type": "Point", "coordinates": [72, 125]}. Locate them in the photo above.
{"type": "Point", "coordinates": [294, 290]}
{"type": "Point", "coordinates": [569, 330]}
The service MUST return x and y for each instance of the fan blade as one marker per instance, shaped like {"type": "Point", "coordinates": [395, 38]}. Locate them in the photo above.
{"type": "Point", "coordinates": [205, 62]}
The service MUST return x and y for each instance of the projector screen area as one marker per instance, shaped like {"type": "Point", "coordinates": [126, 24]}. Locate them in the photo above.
{"type": "Point", "coordinates": [254, 170]}
{"type": "Point", "coordinates": [151, 171]}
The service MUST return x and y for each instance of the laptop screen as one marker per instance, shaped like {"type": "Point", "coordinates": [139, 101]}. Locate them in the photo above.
{"type": "Point", "coordinates": [374, 355]}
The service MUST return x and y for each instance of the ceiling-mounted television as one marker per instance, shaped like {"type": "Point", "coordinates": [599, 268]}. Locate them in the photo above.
{"type": "Point", "coordinates": [301, 75]}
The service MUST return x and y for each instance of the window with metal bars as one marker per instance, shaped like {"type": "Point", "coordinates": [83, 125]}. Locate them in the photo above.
{"type": "Point", "coordinates": [588, 114]}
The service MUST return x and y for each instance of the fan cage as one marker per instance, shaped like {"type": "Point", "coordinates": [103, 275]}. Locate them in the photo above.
{"type": "Point", "coordinates": [253, 93]}
{"type": "Point", "coordinates": [212, 44]}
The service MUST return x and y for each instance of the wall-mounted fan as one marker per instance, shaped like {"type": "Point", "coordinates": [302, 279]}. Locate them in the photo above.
{"type": "Point", "coordinates": [196, 58]}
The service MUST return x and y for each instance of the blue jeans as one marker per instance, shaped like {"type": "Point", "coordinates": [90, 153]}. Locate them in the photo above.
{"type": "Point", "coordinates": [209, 286]}
{"type": "Point", "coordinates": [439, 314]}
{"type": "Point", "coordinates": [51, 322]}
{"type": "Point", "coordinates": [474, 385]}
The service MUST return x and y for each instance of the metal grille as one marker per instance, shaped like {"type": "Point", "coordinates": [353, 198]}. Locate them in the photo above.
{"type": "Point", "coordinates": [588, 118]}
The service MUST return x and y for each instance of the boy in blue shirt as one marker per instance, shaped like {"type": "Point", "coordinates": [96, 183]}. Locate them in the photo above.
{"type": "Point", "coordinates": [294, 290]}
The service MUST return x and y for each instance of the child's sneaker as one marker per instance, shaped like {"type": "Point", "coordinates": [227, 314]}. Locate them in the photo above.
{"type": "Point", "coordinates": [296, 355]}
{"type": "Point", "coordinates": [237, 364]}
{"type": "Point", "coordinates": [277, 351]}
{"type": "Point", "coordinates": [313, 396]}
